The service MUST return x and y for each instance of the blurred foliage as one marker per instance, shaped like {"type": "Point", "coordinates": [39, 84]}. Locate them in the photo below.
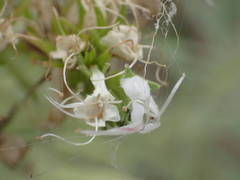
{"type": "Point", "coordinates": [199, 138]}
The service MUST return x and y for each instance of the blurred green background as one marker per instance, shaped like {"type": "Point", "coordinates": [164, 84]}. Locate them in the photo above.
{"type": "Point", "coordinates": [200, 134]}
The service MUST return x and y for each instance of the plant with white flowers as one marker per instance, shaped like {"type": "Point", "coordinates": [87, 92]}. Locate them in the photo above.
{"type": "Point", "coordinates": [85, 39]}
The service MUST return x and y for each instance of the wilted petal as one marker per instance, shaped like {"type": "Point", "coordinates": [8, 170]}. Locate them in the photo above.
{"type": "Point", "coordinates": [124, 41]}
{"type": "Point", "coordinates": [137, 112]}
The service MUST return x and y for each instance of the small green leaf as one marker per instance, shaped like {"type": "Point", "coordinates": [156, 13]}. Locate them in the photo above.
{"type": "Point", "coordinates": [57, 26]}
{"type": "Point", "coordinates": [103, 58]}
{"type": "Point", "coordinates": [42, 44]}
{"type": "Point", "coordinates": [123, 13]}
{"type": "Point", "coordinates": [113, 85]}
{"type": "Point", "coordinates": [22, 8]}
{"type": "Point", "coordinates": [82, 13]}
{"type": "Point", "coordinates": [101, 21]}
{"type": "Point", "coordinates": [128, 73]}
{"type": "Point", "coordinates": [153, 85]}
{"type": "Point", "coordinates": [89, 57]}
{"type": "Point", "coordinates": [95, 40]}
{"type": "Point", "coordinates": [67, 26]}
{"type": "Point", "coordinates": [78, 77]}
{"type": "Point", "coordinates": [106, 67]}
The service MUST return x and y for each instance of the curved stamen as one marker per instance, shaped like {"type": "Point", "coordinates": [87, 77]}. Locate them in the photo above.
{"type": "Point", "coordinates": [70, 142]}
{"type": "Point", "coordinates": [57, 105]}
{"type": "Point", "coordinates": [65, 76]}
{"type": "Point", "coordinates": [56, 91]}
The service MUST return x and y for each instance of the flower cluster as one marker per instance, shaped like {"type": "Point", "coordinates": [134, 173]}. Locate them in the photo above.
{"type": "Point", "coordinates": [114, 104]}
{"type": "Point", "coordinates": [144, 112]}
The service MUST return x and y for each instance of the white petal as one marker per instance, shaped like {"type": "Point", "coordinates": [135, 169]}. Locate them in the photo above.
{"type": "Point", "coordinates": [153, 107]}
{"type": "Point", "coordinates": [111, 113]}
{"type": "Point", "coordinates": [137, 112]}
{"type": "Point", "coordinates": [59, 54]}
{"type": "Point", "coordinates": [98, 82]}
{"type": "Point", "coordinates": [130, 32]}
{"type": "Point", "coordinates": [136, 88]}
{"type": "Point", "coordinates": [89, 109]}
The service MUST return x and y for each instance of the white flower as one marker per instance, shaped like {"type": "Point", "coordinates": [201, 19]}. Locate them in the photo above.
{"type": "Point", "coordinates": [97, 108]}
{"type": "Point", "coordinates": [124, 41]}
{"type": "Point", "coordinates": [67, 45]}
{"type": "Point", "coordinates": [145, 115]}
{"type": "Point", "coordinates": [138, 90]}
{"type": "Point", "coordinates": [99, 103]}
{"type": "Point", "coordinates": [143, 108]}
